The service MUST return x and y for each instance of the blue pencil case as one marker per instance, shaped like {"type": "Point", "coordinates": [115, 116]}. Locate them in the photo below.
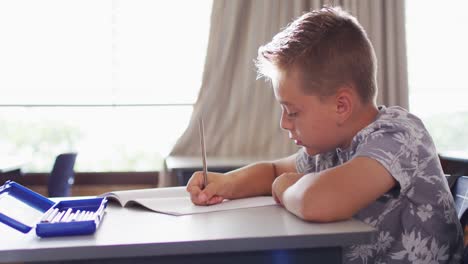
{"type": "Point", "coordinates": [24, 209]}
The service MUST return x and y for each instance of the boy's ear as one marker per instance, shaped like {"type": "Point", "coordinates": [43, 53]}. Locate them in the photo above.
{"type": "Point", "coordinates": [344, 104]}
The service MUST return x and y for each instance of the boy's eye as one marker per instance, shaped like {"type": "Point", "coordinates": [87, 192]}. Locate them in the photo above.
{"type": "Point", "coordinates": [290, 113]}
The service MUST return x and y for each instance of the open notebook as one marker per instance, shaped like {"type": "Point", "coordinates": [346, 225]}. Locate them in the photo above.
{"type": "Point", "coordinates": [176, 201]}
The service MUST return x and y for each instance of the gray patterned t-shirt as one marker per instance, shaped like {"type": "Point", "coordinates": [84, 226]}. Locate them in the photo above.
{"type": "Point", "coordinates": [416, 220]}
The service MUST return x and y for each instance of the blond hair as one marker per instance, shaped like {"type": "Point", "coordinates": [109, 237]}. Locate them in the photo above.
{"type": "Point", "coordinates": [329, 47]}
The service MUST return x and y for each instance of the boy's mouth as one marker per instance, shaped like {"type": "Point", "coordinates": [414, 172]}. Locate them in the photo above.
{"type": "Point", "coordinates": [297, 141]}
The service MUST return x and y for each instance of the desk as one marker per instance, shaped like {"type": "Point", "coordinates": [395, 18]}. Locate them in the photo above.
{"type": "Point", "coordinates": [454, 163]}
{"type": "Point", "coordinates": [8, 164]}
{"type": "Point", "coordinates": [183, 167]}
{"type": "Point", "coordinates": [10, 167]}
{"type": "Point", "coordinates": [134, 235]}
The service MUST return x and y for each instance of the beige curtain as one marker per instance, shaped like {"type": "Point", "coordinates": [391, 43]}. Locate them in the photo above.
{"type": "Point", "coordinates": [384, 21]}
{"type": "Point", "coordinates": [240, 113]}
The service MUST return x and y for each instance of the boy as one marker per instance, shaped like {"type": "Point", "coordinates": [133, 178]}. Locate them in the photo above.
{"type": "Point", "coordinates": [358, 160]}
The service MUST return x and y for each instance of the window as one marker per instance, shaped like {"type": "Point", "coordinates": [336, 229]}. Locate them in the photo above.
{"type": "Point", "coordinates": [437, 54]}
{"type": "Point", "coordinates": [114, 80]}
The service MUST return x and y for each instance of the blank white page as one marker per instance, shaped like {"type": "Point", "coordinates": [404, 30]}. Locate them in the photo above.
{"type": "Point", "coordinates": [184, 206]}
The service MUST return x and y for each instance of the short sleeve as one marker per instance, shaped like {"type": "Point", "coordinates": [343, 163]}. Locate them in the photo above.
{"type": "Point", "coordinates": [395, 149]}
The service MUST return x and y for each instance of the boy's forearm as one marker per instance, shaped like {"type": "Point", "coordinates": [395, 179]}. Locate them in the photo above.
{"type": "Point", "coordinates": [308, 202]}
{"type": "Point", "coordinates": [252, 180]}
{"type": "Point", "coordinates": [294, 199]}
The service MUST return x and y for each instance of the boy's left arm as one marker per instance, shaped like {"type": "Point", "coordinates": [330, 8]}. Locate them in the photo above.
{"type": "Point", "coordinates": [337, 193]}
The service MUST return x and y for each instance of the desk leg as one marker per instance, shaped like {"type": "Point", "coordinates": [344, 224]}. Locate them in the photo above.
{"type": "Point", "coordinates": [299, 256]}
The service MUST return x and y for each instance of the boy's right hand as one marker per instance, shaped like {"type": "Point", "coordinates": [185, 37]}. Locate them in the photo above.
{"type": "Point", "coordinates": [213, 193]}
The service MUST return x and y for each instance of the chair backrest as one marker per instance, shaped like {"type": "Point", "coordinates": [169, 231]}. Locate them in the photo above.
{"type": "Point", "coordinates": [62, 176]}
{"type": "Point", "coordinates": [460, 195]}
{"type": "Point", "coordinates": [454, 165]}
{"type": "Point", "coordinates": [459, 188]}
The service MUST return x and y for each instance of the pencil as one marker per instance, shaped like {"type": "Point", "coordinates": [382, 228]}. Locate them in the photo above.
{"type": "Point", "coordinates": [202, 142]}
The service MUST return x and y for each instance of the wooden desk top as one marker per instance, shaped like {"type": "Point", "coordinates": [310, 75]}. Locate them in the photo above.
{"type": "Point", "coordinates": [190, 162]}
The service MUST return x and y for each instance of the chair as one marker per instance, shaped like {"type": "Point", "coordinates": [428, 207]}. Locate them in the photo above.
{"type": "Point", "coordinates": [460, 195]}
{"type": "Point", "coordinates": [454, 165]}
{"type": "Point", "coordinates": [62, 176]}
{"type": "Point", "coordinates": [459, 190]}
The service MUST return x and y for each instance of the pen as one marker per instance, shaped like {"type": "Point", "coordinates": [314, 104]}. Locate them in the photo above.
{"type": "Point", "coordinates": [58, 217]}
{"type": "Point", "coordinates": [66, 215]}
{"type": "Point", "coordinates": [46, 215]}
{"type": "Point", "coordinates": [202, 142]}
{"type": "Point", "coordinates": [75, 216]}
{"type": "Point", "coordinates": [51, 215]}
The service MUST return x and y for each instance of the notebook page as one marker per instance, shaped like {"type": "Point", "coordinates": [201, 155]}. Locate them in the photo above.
{"type": "Point", "coordinates": [152, 193]}
{"type": "Point", "coordinates": [184, 206]}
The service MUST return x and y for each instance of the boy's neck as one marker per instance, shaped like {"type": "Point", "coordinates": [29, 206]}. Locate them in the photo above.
{"type": "Point", "coordinates": [364, 116]}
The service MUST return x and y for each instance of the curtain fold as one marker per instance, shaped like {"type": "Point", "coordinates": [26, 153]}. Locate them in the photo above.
{"type": "Point", "coordinates": [240, 113]}
{"type": "Point", "coordinates": [384, 22]}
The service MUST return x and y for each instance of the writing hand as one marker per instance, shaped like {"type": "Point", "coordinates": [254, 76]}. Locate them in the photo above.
{"type": "Point", "coordinates": [211, 194]}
